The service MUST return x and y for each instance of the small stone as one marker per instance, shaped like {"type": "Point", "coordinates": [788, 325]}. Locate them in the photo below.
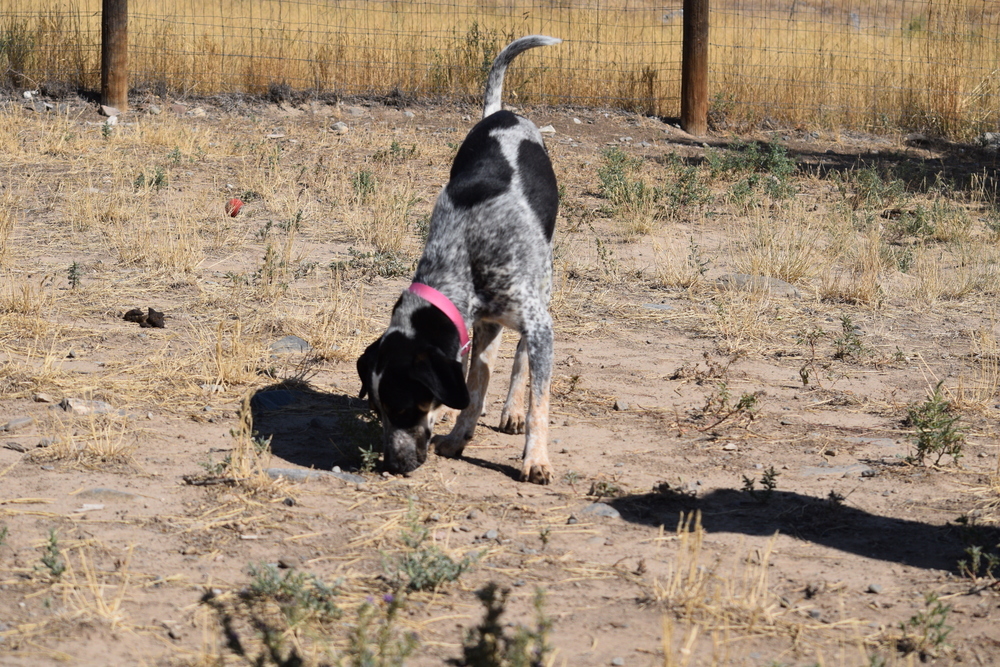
{"type": "Point", "coordinates": [289, 502]}
{"type": "Point", "coordinates": [354, 111]}
{"type": "Point", "coordinates": [576, 121]}
{"type": "Point", "coordinates": [340, 127]}
{"type": "Point", "coordinates": [621, 405]}
{"type": "Point", "coordinates": [815, 613]}
{"type": "Point", "coordinates": [17, 423]}
{"type": "Point", "coordinates": [473, 515]}
{"type": "Point", "coordinates": [602, 509]}
{"type": "Point", "coordinates": [874, 588]}
{"type": "Point", "coordinates": [109, 111]}
{"type": "Point", "coordinates": [16, 446]}
{"type": "Point", "coordinates": [548, 129]}
{"type": "Point", "coordinates": [84, 407]}
{"type": "Point", "coordinates": [618, 662]}
{"type": "Point", "coordinates": [729, 447]}
{"type": "Point", "coordinates": [436, 516]}
{"type": "Point", "coordinates": [42, 397]}
{"type": "Point", "coordinates": [571, 520]}
{"type": "Point", "coordinates": [154, 110]}
{"type": "Point", "coordinates": [409, 114]}
{"type": "Point", "coordinates": [491, 535]}
{"type": "Point", "coordinates": [289, 562]}
{"type": "Point", "coordinates": [289, 344]}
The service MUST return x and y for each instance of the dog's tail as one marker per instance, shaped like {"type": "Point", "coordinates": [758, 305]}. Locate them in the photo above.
{"type": "Point", "coordinates": [494, 83]}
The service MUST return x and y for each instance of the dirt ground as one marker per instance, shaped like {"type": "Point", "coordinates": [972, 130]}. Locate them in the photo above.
{"type": "Point", "coordinates": [657, 543]}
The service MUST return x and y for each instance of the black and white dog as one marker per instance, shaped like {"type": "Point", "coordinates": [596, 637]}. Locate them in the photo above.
{"type": "Point", "coordinates": [488, 261]}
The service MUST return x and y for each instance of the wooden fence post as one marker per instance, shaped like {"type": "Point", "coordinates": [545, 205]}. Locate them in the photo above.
{"type": "Point", "coordinates": [114, 54]}
{"type": "Point", "coordinates": [694, 68]}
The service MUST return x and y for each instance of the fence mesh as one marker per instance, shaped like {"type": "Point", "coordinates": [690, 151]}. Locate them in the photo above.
{"type": "Point", "coordinates": [872, 64]}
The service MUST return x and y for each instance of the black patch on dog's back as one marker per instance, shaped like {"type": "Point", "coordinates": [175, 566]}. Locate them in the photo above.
{"type": "Point", "coordinates": [480, 170]}
{"type": "Point", "coordinates": [539, 183]}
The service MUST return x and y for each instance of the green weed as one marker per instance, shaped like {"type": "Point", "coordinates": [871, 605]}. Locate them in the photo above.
{"type": "Point", "coordinates": [52, 556]}
{"type": "Point", "coordinates": [768, 483]}
{"type": "Point", "coordinates": [848, 344]}
{"type": "Point", "coordinates": [299, 596]}
{"type": "Point", "coordinates": [926, 632]}
{"type": "Point", "coordinates": [363, 185]}
{"type": "Point", "coordinates": [73, 275]}
{"type": "Point", "coordinates": [423, 567]}
{"type": "Point", "coordinates": [375, 641]}
{"type": "Point", "coordinates": [619, 184]}
{"type": "Point", "coordinates": [938, 433]}
{"type": "Point", "coordinates": [489, 644]}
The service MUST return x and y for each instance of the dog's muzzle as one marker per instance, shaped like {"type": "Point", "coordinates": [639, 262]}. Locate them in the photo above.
{"type": "Point", "coordinates": [406, 449]}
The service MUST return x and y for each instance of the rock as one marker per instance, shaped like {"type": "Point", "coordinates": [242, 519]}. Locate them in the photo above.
{"type": "Point", "coordinates": [548, 129]}
{"type": "Point", "coordinates": [874, 588]}
{"type": "Point", "coordinates": [17, 423]}
{"type": "Point", "coordinates": [576, 121]}
{"type": "Point", "coordinates": [16, 446]}
{"type": "Point", "coordinates": [84, 407]}
{"type": "Point", "coordinates": [340, 127]}
{"type": "Point", "coordinates": [289, 344]}
{"type": "Point", "coordinates": [729, 447]}
{"type": "Point", "coordinates": [154, 110]}
{"type": "Point", "coordinates": [197, 112]}
{"type": "Point", "coordinates": [851, 470]}
{"type": "Point", "coordinates": [109, 111]}
{"type": "Point", "coordinates": [601, 509]}
{"type": "Point", "coordinates": [621, 405]}
{"type": "Point", "coordinates": [747, 283]}
{"type": "Point", "coordinates": [409, 114]}
{"type": "Point", "coordinates": [989, 139]}
{"type": "Point", "coordinates": [355, 111]}
{"type": "Point", "coordinates": [300, 475]}
{"type": "Point", "coordinates": [473, 515]}
{"type": "Point", "coordinates": [41, 397]}
{"type": "Point", "coordinates": [107, 495]}
{"type": "Point", "coordinates": [289, 562]}
{"type": "Point", "coordinates": [491, 535]}
{"type": "Point", "coordinates": [274, 399]}
{"type": "Point", "coordinates": [815, 614]}
{"type": "Point", "coordinates": [571, 520]}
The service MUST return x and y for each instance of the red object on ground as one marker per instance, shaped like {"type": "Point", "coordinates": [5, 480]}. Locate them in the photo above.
{"type": "Point", "coordinates": [233, 206]}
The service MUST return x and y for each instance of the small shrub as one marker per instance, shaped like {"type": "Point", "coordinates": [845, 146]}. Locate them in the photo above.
{"type": "Point", "coordinates": [926, 632]}
{"type": "Point", "coordinates": [424, 567]}
{"type": "Point", "coordinates": [73, 275]}
{"type": "Point", "coordinates": [299, 596]}
{"type": "Point", "coordinates": [848, 345]}
{"type": "Point", "coordinates": [363, 185]}
{"type": "Point", "coordinates": [490, 645]}
{"type": "Point", "coordinates": [768, 482]}
{"type": "Point", "coordinates": [937, 431]}
{"type": "Point", "coordinates": [618, 183]}
{"type": "Point", "coordinates": [375, 641]}
{"type": "Point", "coordinates": [52, 556]}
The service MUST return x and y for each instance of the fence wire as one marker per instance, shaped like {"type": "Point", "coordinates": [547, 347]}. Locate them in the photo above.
{"type": "Point", "coordinates": [871, 64]}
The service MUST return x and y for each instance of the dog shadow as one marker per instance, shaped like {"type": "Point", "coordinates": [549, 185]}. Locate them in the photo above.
{"type": "Point", "coordinates": [314, 429]}
{"type": "Point", "coordinates": [829, 522]}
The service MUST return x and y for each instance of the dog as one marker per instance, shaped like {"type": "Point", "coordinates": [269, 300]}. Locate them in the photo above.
{"type": "Point", "coordinates": [488, 261]}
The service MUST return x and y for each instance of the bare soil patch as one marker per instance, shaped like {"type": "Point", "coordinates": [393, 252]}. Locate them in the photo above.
{"type": "Point", "coordinates": [685, 527]}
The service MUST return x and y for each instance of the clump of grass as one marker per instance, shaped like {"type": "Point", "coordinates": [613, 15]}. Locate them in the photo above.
{"type": "Point", "coordinates": [490, 644]}
{"type": "Point", "coordinates": [719, 409]}
{"type": "Point", "coordinates": [938, 433]}
{"type": "Point", "coordinates": [630, 198]}
{"type": "Point", "coordinates": [370, 265]}
{"type": "Point", "coordinates": [759, 169]}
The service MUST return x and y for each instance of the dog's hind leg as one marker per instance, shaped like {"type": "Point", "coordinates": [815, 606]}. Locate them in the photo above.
{"type": "Point", "coordinates": [535, 466]}
{"type": "Point", "coordinates": [512, 415]}
{"type": "Point", "coordinates": [485, 345]}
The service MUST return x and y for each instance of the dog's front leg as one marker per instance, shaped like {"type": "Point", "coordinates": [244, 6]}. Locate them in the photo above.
{"type": "Point", "coordinates": [485, 345]}
{"type": "Point", "coordinates": [535, 465]}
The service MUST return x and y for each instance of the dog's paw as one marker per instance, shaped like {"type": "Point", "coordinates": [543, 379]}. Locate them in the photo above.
{"type": "Point", "coordinates": [536, 473]}
{"type": "Point", "coordinates": [511, 422]}
{"type": "Point", "coordinates": [449, 445]}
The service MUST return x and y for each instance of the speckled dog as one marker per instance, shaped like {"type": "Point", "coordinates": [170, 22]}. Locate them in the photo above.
{"type": "Point", "coordinates": [488, 260]}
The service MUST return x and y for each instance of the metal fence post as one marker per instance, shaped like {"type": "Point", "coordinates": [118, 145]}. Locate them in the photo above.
{"type": "Point", "coordinates": [114, 53]}
{"type": "Point", "coordinates": [694, 68]}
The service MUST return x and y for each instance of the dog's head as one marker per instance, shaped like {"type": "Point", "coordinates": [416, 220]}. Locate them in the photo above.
{"type": "Point", "coordinates": [406, 381]}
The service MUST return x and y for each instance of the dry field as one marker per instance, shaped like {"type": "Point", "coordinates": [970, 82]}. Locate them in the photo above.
{"type": "Point", "coordinates": [773, 422]}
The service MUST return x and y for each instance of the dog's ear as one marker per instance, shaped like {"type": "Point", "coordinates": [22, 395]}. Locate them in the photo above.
{"type": "Point", "coordinates": [443, 376]}
{"type": "Point", "coordinates": [366, 365]}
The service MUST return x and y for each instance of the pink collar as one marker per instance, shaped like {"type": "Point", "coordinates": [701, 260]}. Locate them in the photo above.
{"type": "Point", "coordinates": [445, 305]}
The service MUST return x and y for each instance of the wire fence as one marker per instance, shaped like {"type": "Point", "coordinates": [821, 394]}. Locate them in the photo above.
{"type": "Point", "coordinates": [930, 65]}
